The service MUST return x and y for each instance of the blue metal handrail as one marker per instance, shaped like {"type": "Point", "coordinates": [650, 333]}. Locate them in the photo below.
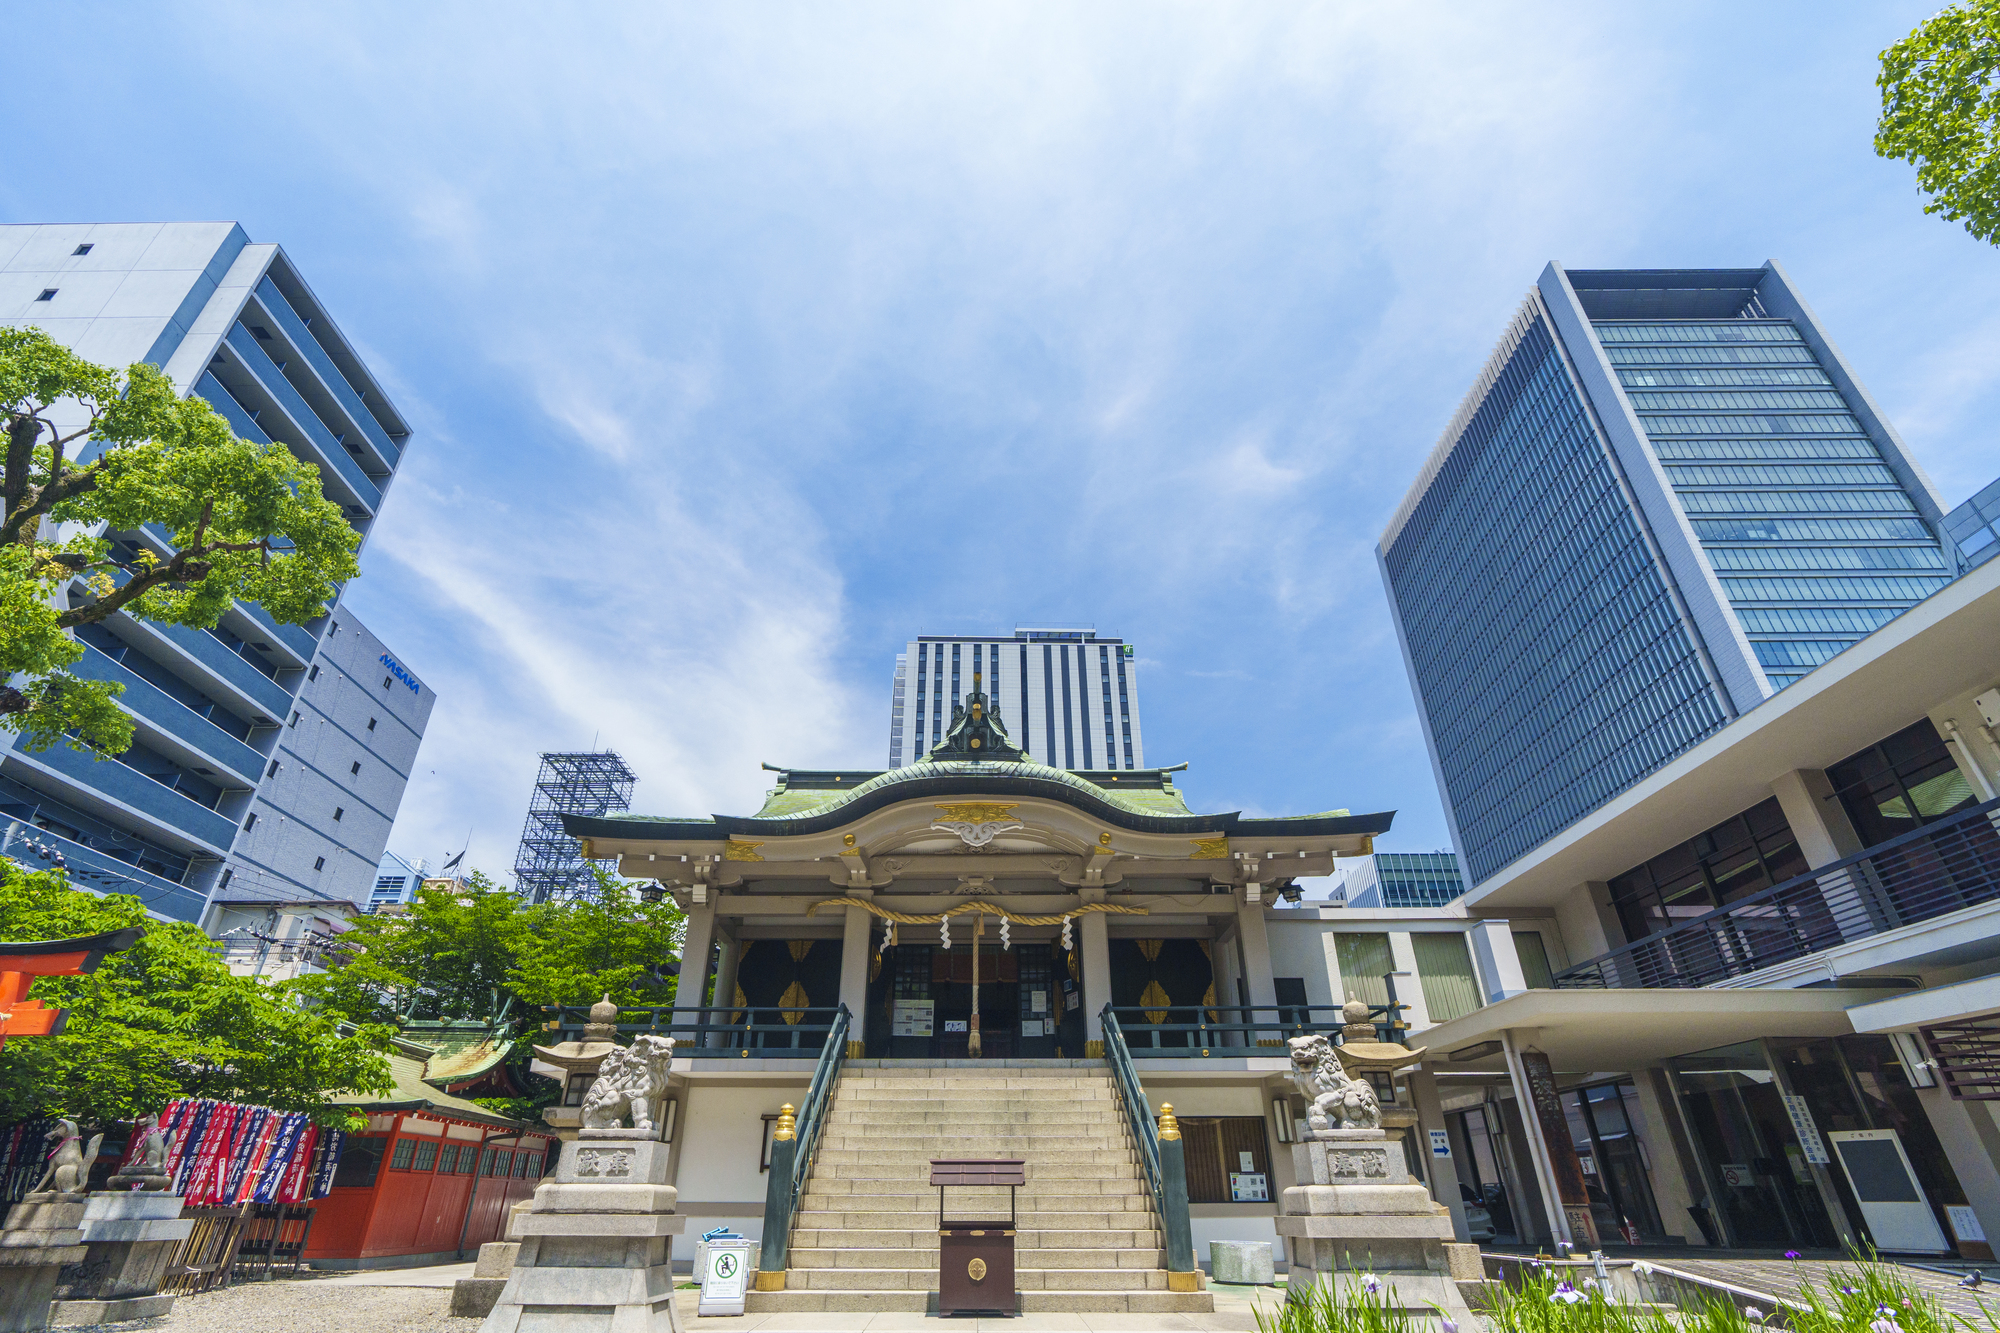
{"type": "Point", "coordinates": [812, 1112]}
{"type": "Point", "coordinates": [1162, 1161]}
{"type": "Point", "coordinates": [1138, 1114]}
{"type": "Point", "coordinates": [792, 1157]}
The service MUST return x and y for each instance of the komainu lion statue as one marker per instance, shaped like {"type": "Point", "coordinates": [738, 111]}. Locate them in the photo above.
{"type": "Point", "coordinates": [1336, 1099]}
{"type": "Point", "coordinates": [631, 1081]}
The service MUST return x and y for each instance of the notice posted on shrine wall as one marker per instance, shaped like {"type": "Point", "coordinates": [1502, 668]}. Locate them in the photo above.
{"type": "Point", "coordinates": [912, 1018]}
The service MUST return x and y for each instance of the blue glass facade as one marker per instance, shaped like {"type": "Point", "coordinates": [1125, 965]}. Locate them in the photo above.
{"type": "Point", "coordinates": [1753, 435]}
{"type": "Point", "coordinates": [1667, 498]}
{"type": "Point", "coordinates": [1543, 640]}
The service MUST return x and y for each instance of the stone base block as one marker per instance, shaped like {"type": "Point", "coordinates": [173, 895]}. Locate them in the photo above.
{"type": "Point", "coordinates": [496, 1259]}
{"type": "Point", "coordinates": [1357, 1230]}
{"type": "Point", "coordinates": [26, 1289]}
{"type": "Point", "coordinates": [1359, 1157]}
{"type": "Point", "coordinates": [552, 1196]}
{"type": "Point", "coordinates": [1462, 1262]}
{"type": "Point", "coordinates": [475, 1297]}
{"type": "Point", "coordinates": [116, 1311]}
{"type": "Point", "coordinates": [1241, 1261]}
{"type": "Point", "coordinates": [612, 1161]}
{"type": "Point", "coordinates": [1362, 1200]}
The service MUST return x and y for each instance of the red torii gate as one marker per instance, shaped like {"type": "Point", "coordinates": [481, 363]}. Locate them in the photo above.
{"type": "Point", "coordinates": [23, 961]}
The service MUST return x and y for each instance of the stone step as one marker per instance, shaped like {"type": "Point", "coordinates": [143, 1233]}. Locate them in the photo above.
{"type": "Point", "coordinates": [929, 1113]}
{"type": "Point", "coordinates": [1025, 1239]}
{"type": "Point", "coordinates": [925, 1279]}
{"type": "Point", "coordinates": [1031, 1302]}
{"type": "Point", "coordinates": [922, 1259]}
{"type": "Point", "coordinates": [873, 1137]}
{"type": "Point", "coordinates": [971, 1091]}
{"type": "Point", "coordinates": [887, 1219]}
{"type": "Point", "coordinates": [916, 1154]}
{"type": "Point", "coordinates": [1029, 1197]}
{"type": "Point", "coordinates": [1107, 1165]}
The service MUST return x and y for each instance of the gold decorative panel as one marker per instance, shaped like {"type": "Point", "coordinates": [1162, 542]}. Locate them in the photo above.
{"type": "Point", "coordinates": [737, 849]}
{"type": "Point", "coordinates": [977, 812]}
{"type": "Point", "coordinates": [1210, 849]}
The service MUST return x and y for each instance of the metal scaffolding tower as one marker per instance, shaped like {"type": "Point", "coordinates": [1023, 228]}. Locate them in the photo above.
{"type": "Point", "coordinates": [549, 865]}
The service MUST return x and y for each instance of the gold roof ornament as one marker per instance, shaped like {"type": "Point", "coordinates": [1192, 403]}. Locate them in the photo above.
{"type": "Point", "coordinates": [1361, 1049]}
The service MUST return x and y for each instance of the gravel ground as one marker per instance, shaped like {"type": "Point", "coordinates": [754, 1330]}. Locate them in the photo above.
{"type": "Point", "coordinates": [306, 1306]}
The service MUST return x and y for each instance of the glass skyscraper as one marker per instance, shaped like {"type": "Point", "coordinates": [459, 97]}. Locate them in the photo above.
{"type": "Point", "coordinates": [1666, 498]}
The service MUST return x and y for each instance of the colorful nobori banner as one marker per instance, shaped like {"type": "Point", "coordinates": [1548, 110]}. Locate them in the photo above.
{"type": "Point", "coordinates": [225, 1153]}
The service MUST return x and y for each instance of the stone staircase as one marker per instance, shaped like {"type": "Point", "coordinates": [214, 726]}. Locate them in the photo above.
{"type": "Point", "coordinates": [865, 1234]}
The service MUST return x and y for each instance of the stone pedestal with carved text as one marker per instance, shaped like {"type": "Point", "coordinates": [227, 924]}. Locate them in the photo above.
{"type": "Point", "coordinates": [1356, 1214]}
{"type": "Point", "coordinates": [596, 1244]}
{"type": "Point", "coordinates": [132, 1236]}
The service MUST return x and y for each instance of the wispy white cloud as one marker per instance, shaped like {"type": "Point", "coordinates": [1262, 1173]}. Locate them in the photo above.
{"type": "Point", "coordinates": [744, 341]}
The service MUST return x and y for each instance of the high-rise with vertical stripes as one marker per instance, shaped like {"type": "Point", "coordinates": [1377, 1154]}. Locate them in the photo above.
{"type": "Point", "coordinates": [1666, 498]}
{"type": "Point", "coordinates": [1069, 697]}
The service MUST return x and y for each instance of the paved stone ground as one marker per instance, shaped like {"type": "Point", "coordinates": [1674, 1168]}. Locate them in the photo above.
{"type": "Point", "coordinates": [418, 1300]}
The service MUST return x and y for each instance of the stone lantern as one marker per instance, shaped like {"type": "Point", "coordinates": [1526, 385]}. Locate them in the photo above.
{"type": "Point", "coordinates": [579, 1061]}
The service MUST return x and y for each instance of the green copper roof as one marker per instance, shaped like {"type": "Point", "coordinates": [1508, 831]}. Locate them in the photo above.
{"type": "Point", "coordinates": [814, 801]}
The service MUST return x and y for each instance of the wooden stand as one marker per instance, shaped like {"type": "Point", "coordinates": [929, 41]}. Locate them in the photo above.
{"type": "Point", "coordinates": [976, 1259]}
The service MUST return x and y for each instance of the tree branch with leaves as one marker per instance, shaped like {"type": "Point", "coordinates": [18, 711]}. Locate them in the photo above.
{"type": "Point", "coordinates": [1941, 111]}
{"type": "Point", "coordinates": [236, 520]}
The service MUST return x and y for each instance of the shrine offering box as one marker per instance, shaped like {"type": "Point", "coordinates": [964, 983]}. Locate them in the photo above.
{"type": "Point", "coordinates": [976, 1256]}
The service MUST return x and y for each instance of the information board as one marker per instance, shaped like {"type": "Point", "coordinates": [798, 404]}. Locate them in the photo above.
{"type": "Point", "coordinates": [912, 1018]}
{"type": "Point", "coordinates": [1800, 1111]}
{"type": "Point", "coordinates": [1249, 1187]}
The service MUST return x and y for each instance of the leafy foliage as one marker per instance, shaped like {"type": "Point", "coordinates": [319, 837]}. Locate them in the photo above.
{"type": "Point", "coordinates": [241, 521]}
{"type": "Point", "coordinates": [463, 952]}
{"type": "Point", "coordinates": [1941, 110]}
{"type": "Point", "coordinates": [166, 1019]}
{"type": "Point", "coordinates": [479, 951]}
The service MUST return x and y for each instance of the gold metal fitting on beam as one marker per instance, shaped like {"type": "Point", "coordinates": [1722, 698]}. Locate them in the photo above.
{"type": "Point", "coordinates": [788, 1128]}
{"type": "Point", "coordinates": [1170, 1128]}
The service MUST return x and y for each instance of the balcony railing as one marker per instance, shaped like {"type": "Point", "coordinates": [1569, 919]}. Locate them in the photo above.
{"type": "Point", "coordinates": [770, 1032]}
{"type": "Point", "coordinates": [1226, 1030]}
{"type": "Point", "coordinates": [1923, 874]}
{"type": "Point", "coordinates": [39, 849]}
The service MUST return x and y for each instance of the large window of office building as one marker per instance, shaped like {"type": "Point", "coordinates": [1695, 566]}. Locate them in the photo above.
{"type": "Point", "coordinates": [1742, 855]}
{"type": "Point", "coordinates": [1900, 783]}
{"type": "Point", "coordinates": [1814, 540]}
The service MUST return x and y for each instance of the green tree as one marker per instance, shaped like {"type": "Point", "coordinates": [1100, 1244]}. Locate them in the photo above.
{"type": "Point", "coordinates": [462, 951]}
{"type": "Point", "coordinates": [167, 1019]}
{"type": "Point", "coordinates": [243, 521]}
{"type": "Point", "coordinates": [476, 950]}
{"type": "Point", "coordinates": [1941, 110]}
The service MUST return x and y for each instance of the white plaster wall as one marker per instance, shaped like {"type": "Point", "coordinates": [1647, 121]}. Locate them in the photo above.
{"type": "Point", "coordinates": [721, 1133]}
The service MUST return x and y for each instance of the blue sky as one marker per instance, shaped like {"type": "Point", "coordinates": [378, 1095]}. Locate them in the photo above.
{"type": "Point", "coordinates": [744, 342]}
